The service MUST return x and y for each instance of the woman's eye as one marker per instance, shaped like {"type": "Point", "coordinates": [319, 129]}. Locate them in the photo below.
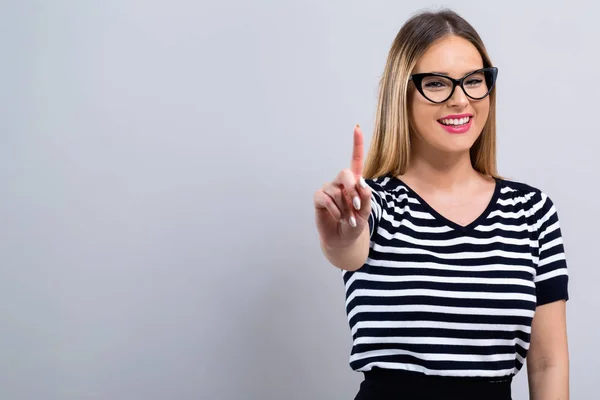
{"type": "Point", "coordinates": [434, 85]}
{"type": "Point", "coordinates": [474, 82]}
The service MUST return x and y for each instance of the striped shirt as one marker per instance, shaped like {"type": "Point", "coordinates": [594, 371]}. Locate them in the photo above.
{"type": "Point", "coordinates": [443, 299]}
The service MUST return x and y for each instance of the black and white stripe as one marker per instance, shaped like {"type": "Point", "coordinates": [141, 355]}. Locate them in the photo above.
{"type": "Point", "coordinates": [442, 299]}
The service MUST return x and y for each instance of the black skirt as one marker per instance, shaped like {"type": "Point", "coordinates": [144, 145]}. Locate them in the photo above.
{"type": "Point", "coordinates": [387, 384]}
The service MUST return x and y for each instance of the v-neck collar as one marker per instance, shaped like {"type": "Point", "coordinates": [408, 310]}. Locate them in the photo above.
{"type": "Point", "coordinates": [448, 222]}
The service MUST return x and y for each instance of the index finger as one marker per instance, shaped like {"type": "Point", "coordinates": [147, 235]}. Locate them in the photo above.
{"type": "Point", "coordinates": [356, 165]}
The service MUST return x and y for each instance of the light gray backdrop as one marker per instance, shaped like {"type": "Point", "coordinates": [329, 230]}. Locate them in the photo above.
{"type": "Point", "coordinates": [157, 165]}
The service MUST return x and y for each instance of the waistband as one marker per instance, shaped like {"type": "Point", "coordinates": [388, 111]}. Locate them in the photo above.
{"type": "Point", "coordinates": [418, 385]}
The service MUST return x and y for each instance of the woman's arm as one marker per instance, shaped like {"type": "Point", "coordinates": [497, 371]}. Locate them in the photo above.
{"type": "Point", "coordinates": [548, 356]}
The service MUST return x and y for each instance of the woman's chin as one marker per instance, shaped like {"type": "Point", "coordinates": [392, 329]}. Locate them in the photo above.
{"type": "Point", "coordinates": [455, 144]}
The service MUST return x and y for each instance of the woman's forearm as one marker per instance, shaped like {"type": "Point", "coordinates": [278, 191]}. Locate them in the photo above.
{"type": "Point", "coordinates": [549, 383]}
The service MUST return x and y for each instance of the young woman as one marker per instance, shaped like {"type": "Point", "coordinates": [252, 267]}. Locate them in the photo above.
{"type": "Point", "coordinates": [454, 276]}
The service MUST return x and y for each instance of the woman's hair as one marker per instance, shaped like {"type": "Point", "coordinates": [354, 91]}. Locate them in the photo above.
{"type": "Point", "coordinates": [390, 146]}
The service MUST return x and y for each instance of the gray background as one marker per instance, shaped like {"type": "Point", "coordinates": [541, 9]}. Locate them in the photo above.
{"type": "Point", "coordinates": [157, 165]}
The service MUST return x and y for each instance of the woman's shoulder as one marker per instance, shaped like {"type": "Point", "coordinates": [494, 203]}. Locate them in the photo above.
{"type": "Point", "coordinates": [385, 184]}
{"type": "Point", "coordinates": [524, 197]}
{"type": "Point", "coordinates": [379, 183]}
{"type": "Point", "coordinates": [512, 188]}
{"type": "Point", "coordinates": [388, 188]}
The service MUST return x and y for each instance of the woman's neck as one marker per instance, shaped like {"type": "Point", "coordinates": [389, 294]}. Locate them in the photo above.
{"type": "Point", "coordinates": [442, 171]}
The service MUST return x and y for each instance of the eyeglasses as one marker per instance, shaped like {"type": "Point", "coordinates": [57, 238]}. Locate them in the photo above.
{"type": "Point", "coordinates": [438, 88]}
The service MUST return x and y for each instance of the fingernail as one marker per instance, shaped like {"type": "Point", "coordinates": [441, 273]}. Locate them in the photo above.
{"type": "Point", "coordinates": [363, 184]}
{"type": "Point", "coordinates": [357, 125]}
{"type": "Point", "coordinates": [356, 202]}
{"type": "Point", "coordinates": [352, 221]}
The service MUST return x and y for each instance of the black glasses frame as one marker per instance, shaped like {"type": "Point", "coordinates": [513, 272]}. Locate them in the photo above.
{"type": "Point", "coordinates": [418, 80]}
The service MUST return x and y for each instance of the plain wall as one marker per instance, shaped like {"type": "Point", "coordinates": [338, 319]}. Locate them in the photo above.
{"type": "Point", "coordinates": [157, 166]}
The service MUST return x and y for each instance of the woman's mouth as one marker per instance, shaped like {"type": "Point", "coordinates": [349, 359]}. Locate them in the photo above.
{"type": "Point", "coordinates": [456, 125]}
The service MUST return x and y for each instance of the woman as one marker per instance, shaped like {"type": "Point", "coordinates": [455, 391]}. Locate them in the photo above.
{"type": "Point", "coordinates": [455, 277]}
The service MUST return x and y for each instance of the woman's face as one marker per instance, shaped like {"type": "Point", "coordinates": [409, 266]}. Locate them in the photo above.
{"type": "Point", "coordinates": [454, 125]}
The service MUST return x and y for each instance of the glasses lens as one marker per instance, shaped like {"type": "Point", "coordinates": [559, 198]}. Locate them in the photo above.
{"type": "Point", "coordinates": [436, 88]}
{"type": "Point", "coordinates": [478, 84]}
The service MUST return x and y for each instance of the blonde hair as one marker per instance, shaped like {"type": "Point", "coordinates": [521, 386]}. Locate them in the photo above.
{"type": "Point", "coordinates": [389, 152]}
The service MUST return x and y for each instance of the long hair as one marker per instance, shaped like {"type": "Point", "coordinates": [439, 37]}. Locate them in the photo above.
{"type": "Point", "coordinates": [389, 152]}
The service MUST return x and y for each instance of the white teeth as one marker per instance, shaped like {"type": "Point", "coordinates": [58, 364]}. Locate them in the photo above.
{"type": "Point", "coordinates": [455, 121]}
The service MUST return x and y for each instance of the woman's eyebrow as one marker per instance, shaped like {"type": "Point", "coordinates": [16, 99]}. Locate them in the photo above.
{"type": "Point", "coordinates": [446, 73]}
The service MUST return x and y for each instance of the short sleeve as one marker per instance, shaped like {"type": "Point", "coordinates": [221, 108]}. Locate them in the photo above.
{"type": "Point", "coordinates": [377, 202]}
{"type": "Point", "coordinates": [552, 276]}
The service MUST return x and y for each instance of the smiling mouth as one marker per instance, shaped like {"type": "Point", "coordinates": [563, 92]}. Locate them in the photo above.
{"type": "Point", "coordinates": [455, 122]}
